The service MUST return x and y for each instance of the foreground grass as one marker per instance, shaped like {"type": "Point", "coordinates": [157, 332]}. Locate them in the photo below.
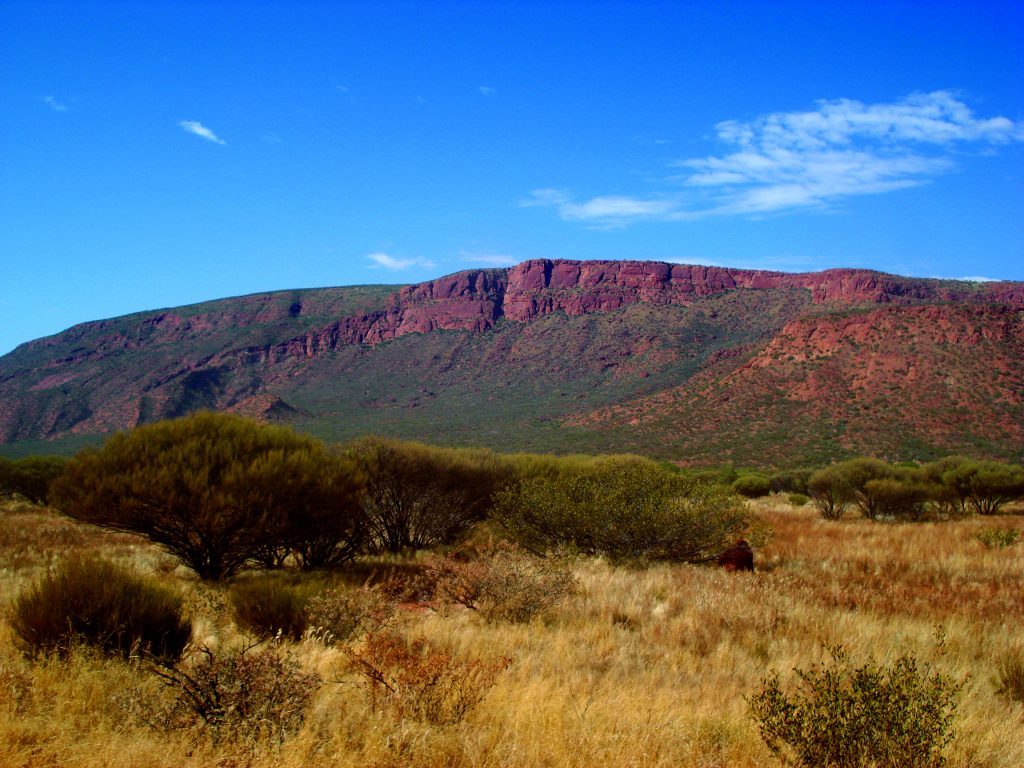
{"type": "Point", "coordinates": [645, 667]}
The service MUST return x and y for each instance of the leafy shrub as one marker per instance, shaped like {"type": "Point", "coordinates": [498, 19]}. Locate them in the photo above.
{"type": "Point", "coordinates": [797, 499]}
{"type": "Point", "coordinates": [503, 584]}
{"type": "Point", "coordinates": [417, 496]}
{"type": "Point", "coordinates": [94, 602]}
{"type": "Point", "coordinates": [830, 492]}
{"type": "Point", "coordinates": [219, 491]}
{"type": "Point", "coordinates": [339, 614]}
{"type": "Point", "coordinates": [752, 486]}
{"type": "Point", "coordinates": [1009, 680]}
{"type": "Point", "coordinates": [964, 485]}
{"type": "Point", "coordinates": [30, 477]}
{"type": "Point", "coordinates": [247, 693]}
{"type": "Point", "coordinates": [897, 498]}
{"type": "Point", "coordinates": [998, 538]}
{"type": "Point", "coordinates": [419, 681]}
{"type": "Point", "coordinates": [623, 508]}
{"type": "Point", "coordinates": [268, 605]}
{"type": "Point", "coordinates": [850, 717]}
{"type": "Point", "coordinates": [790, 480]}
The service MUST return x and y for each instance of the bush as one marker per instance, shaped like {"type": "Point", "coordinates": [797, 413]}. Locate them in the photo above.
{"type": "Point", "coordinates": [752, 486]}
{"type": "Point", "coordinates": [219, 491]}
{"type": "Point", "coordinates": [503, 584]}
{"type": "Point", "coordinates": [245, 693]}
{"type": "Point", "coordinates": [267, 606]}
{"type": "Point", "coordinates": [94, 602]}
{"type": "Point", "coordinates": [797, 499]}
{"type": "Point", "coordinates": [790, 480]}
{"type": "Point", "coordinates": [418, 681]}
{"type": "Point", "coordinates": [1009, 680]}
{"type": "Point", "coordinates": [30, 477]}
{"type": "Point", "coordinates": [419, 497]}
{"type": "Point", "coordinates": [998, 538]}
{"type": "Point", "coordinates": [622, 508]}
{"type": "Point", "coordinates": [341, 614]}
{"type": "Point", "coordinates": [830, 493]}
{"type": "Point", "coordinates": [897, 498]}
{"type": "Point", "coordinates": [850, 717]}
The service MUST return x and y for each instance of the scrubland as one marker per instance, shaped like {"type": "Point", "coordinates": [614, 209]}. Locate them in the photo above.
{"type": "Point", "coordinates": [645, 665]}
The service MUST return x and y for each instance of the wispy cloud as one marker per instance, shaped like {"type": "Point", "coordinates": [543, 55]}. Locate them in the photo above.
{"type": "Point", "coordinates": [53, 104]}
{"type": "Point", "coordinates": [486, 90]}
{"type": "Point", "coordinates": [490, 259]}
{"type": "Point", "coordinates": [609, 210]}
{"type": "Point", "coordinates": [788, 161]}
{"type": "Point", "coordinates": [395, 264]}
{"type": "Point", "coordinates": [198, 129]}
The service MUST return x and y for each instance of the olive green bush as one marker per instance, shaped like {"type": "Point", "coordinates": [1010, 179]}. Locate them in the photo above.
{"type": "Point", "coordinates": [418, 496]}
{"type": "Point", "coordinates": [622, 508]}
{"type": "Point", "coordinates": [841, 716]}
{"type": "Point", "coordinates": [30, 477]}
{"type": "Point", "coordinates": [753, 485]}
{"type": "Point", "coordinates": [94, 602]}
{"type": "Point", "coordinates": [221, 492]}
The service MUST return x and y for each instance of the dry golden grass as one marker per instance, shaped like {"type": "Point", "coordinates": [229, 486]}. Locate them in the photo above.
{"type": "Point", "coordinates": [645, 667]}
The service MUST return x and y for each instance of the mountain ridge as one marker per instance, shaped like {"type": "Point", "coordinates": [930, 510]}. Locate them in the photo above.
{"type": "Point", "coordinates": [633, 329]}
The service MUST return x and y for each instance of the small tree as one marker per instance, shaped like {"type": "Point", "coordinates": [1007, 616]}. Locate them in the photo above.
{"type": "Point", "coordinates": [752, 486]}
{"type": "Point", "coordinates": [30, 477]}
{"type": "Point", "coordinates": [830, 493]}
{"type": "Point", "coordinates": [418, 496]}
{"type": "Point", "coordinates": [215, 490]}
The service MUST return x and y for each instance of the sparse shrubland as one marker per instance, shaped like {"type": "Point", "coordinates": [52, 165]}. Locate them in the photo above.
{"type": "Point", "coordinates": [494, 653]}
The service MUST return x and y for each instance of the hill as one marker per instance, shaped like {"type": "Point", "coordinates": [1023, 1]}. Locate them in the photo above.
{"type": "Point", "coordinates": [694, 364]}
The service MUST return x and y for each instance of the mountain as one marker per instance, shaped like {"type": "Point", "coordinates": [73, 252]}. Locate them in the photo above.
{"type": "Point", "coordinates": [696, 364]}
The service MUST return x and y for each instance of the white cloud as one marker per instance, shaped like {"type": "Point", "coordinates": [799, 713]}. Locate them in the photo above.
{"type": "Point", "coordinates": [53, 104]}
{"type": "Point", "coordinates": [490, 259]}
{"type": "Point", "coordinates": [801, 160]}
{"type": "Point", "coordinates": [486, 90]}
{"type": "Point", "coordinates": [608, 210]}
{"type": "Point", "coordinates": [198, 129]}
{"type": "Point", "coordinates": [396, 264]}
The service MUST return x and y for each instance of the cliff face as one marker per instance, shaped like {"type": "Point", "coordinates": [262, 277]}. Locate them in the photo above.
{"type": "Point", "coordinates": [474, 301]}
{"type": "Point", "coordinates": [303, 355]}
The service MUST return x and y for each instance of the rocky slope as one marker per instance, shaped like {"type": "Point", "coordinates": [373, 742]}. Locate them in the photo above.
{"type": "Point", "coordinates": [675, 360]}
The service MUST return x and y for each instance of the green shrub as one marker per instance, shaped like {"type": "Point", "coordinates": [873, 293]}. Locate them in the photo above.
{"type": "Point", "coordinates": [94, 602]}
{"type": "Point", "coordinates": [797, 499]}
{"type": "Point", "coordinates": [501, 584]}
{"type": "Point", "coordinates": [418, 496]}
{"type": "Point", "coordinates": [268, 605]}
{"type": "Point", "coordinates": [790, 480]}
{"type": "Point", "coordinates": [244, 693]}
{"type": "Point", "coordinates": [753, 486]}
{"type": "Point", "coordinates": [830, 492]}
{"type": "Point", "coordinates": [622, 508]}
{"type": "Point", "coordinates": [219, 491]}
{"type": "Point", "coordinates": [998, 538]}
{"type": "Point", "coordinates": [847, 717]}
{"type": "Point", "coordinates": [30, 477]}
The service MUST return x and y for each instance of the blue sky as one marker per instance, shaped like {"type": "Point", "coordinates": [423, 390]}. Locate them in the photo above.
{"type": "Point", "coordinates": [158, 154]}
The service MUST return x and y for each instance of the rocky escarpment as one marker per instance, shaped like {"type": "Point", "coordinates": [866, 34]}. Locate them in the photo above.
{"type": "Point", "coordinates": [310, 355]}
{"type": "Point", "coordinates": [475, 300]}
